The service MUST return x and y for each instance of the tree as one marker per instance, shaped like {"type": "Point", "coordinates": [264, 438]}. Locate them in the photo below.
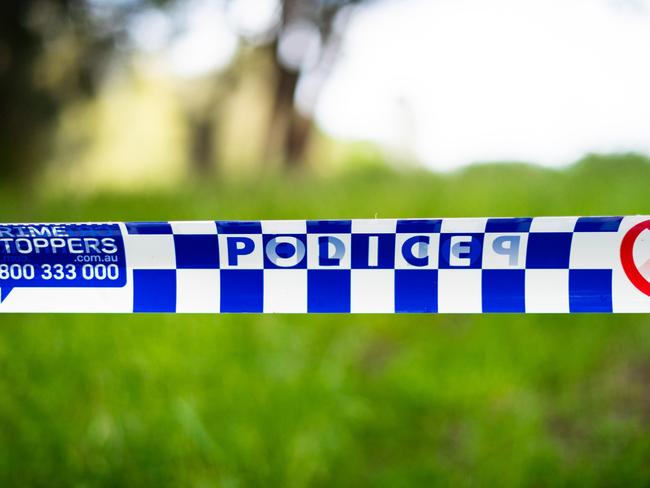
{"type": "Point", "coordinates": [51, 53]}
{"type": "Point", "coordinates": [305, 40]}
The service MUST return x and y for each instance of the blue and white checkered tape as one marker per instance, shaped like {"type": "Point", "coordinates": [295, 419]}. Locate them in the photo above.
{"type": "Point", "coordinates": [466, 265]}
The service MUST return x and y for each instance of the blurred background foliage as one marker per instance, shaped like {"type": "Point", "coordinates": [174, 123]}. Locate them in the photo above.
{"type": "Point", "coordinates": [92, 129]}
{"type": "Point", "coordinates": [71, 76]}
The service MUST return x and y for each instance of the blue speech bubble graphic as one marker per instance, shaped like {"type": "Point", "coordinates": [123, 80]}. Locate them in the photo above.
{"type": "Point", "coordinates": [61, 256]}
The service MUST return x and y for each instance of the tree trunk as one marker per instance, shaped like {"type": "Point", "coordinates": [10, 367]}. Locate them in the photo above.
{"type": "Point", "coordinates": [288, 132]}
{"type": "Point", "coordinates": [202, 145]}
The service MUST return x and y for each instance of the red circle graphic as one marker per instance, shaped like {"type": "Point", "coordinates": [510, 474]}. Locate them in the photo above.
{"type": "Point", "coordinates": [627, 257]}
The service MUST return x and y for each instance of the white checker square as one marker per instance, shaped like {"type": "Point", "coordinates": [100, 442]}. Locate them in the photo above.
{"type": "Point", "coordinates": [285, 290]}
{"type": "Point", "coordinates": [626, 298]}
{"type": "Point", "coordinates": [195, 227]}
{"type": "Point", "coordinates": [595, 250]}
{"type": "Point", "coordinates": [372, 291]}
{"type": "Point", "coordinates": [284, 226]}
{"type": "Point", "coordinates": [297, 247]}
{"type": "Point", "coordinates": [144, 251]}
{"type": "Point", "coordinates": [630, 221]}
{"type": "Point", "coordinates": [547, 290]}
{"type": "Point", "coordinates": [553, 224]}
{"type": "Point", "coordinates": [430, 251]}
{"type": "Point", "coordinates": [313, 251]}
{"type": "Point", "coordinates": [460, 291]}
{"type": "Point", "coordinates": [374, 226]}
{"type": "Point", "coordinates": [197, 290]}
{"type": "Point", "coordinates": [254, 259]}
{"type": "Point", "coordinates": [463, 226]}
{"type": "Point", "coordinates": [504, 251]}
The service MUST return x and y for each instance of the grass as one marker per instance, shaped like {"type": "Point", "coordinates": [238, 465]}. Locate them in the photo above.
{"type": "Point", "coordinates": [503, 400]}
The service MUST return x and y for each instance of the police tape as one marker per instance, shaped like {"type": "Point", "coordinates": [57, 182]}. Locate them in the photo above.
{"type": "Point", "coordinates": [468, 265]}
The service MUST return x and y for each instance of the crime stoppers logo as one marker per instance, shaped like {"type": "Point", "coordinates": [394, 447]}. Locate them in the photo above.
{"type": "Point", "coordinates": [635, 256]}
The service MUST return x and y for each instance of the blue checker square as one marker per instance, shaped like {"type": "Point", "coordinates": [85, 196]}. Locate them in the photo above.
{"type": "Point", "coordinates": [590, 290]}
{"type": "Point", "coordinates": [598, 224]}
{"type": "Point", "coordinates": [242, 290]}
{"type": "Point", "coordinates": [548, 250]}
{"type": "Point", "coordinates": [329, 226]}
{"type": "Point", "coordinates": [416, 291]}
{"type": "Point", "coordinates": [239, 227]}
{"type": "Point", "coordinates": [509, 225]}
{"type": "Point", "coordinates": [385, 251]}
{"type": "Point", "coordinates": [197, 251]}
{"type": "Point", "coordinates": [285, 246]}
{"type": "Point", "coordinates": [422, 226]}
{"type": "Point", "coordinates": [154, 290]}
{"type": "Point", "coordinates": [328, 290]}
{"type": "Point", "coordinates": [461, 251]}
{"type": "Point", "coordinates": [504, 290]}
{"type": "Point", "coordinates": [148, 228]}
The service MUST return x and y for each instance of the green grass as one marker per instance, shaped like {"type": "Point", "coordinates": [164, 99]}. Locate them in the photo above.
{"type": "Point", "coordinates": [333, 400]}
